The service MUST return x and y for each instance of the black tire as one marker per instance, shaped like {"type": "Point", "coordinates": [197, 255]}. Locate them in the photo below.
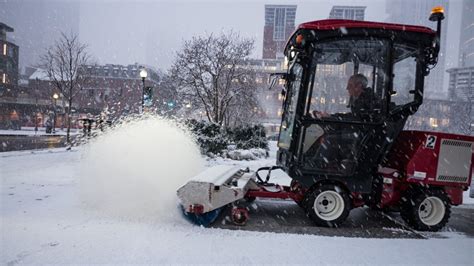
{"type": "Point", "coordinates": [327, 205]}
{"type": "Point", "coordinates": [426, 210]}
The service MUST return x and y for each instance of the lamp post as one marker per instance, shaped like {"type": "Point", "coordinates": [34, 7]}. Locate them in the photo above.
{"type": "Point", "coordinates": [36, 106]}
{"type": "Point", "coordinates": [143, 75]}
{"type": "Point", "coordinates": [55, 98]}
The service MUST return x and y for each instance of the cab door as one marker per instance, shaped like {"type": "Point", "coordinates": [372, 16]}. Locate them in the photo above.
{"type": "Point", "coordinates": [335, 139]}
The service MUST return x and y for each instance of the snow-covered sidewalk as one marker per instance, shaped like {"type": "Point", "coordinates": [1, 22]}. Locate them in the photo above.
{"type": "Point", "coordinates": [47, 216]}
{"type": "Point", "coordinates": [30, 131]}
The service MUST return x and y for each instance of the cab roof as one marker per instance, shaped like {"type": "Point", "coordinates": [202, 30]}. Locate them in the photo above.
{"type": "Point", "coordinates": [334, 24]}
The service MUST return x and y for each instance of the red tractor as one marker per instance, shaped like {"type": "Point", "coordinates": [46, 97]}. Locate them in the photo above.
{"type": "Point", "coordinates": [343, 145]}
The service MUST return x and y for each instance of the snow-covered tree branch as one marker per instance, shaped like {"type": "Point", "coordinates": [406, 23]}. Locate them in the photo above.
{"type": "Point", "coordinates": [211, 74]}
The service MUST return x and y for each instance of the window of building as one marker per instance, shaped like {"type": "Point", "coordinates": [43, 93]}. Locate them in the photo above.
{"type": "Point", "coordinates": [4, 49]}
{"type": "Point", "coordinates": [279, 25]}
{"type": "Point", "coordinates": [433, 122]}
{"type": "Point", "coordinates": [445, 122]}
{"type": "Point", "coordinates": [4, 78]}
{"type": "Point", "coordinates": [419, 121]}
{"type": "Point", "coordinates": [11, 51]}
{"type": "Point", "coordinates": [349, 14]}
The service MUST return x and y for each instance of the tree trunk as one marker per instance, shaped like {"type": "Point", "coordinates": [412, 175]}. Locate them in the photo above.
{"type": "Point", "coordinates": [68, 132]}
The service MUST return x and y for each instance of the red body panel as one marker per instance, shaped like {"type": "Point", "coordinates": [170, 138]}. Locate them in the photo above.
{"type": "Point", "coordinates": [410, 154]}
{"type": "Point", "coordinates": [454, 194]}
{"type": "Point", "coordinates": [282, 192]}
{"type": "Point", "coordinates": [334, 24]}
{"type": "Point", "coordinates": [392, 187]}
{"type": "Point", "coordinates": [417, 163]}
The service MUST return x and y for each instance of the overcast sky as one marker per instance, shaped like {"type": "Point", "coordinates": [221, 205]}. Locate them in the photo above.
{"type": "Point", "coordinates": [150, 31]}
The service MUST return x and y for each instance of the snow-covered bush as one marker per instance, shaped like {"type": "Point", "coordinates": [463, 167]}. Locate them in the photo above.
{"type": "Point", "coordinates": [211, 137]}
{"type": "Point", "coordinates": [250, 154]}
{"type": "Point", "coordinates": [246, 137]}
{"type": "Point", "coordinates": [241, 143]}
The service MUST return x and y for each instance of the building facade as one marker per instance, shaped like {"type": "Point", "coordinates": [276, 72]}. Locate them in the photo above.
{"type": "Point", "coordinates": [347, 12]}
{"type": "Point", "coordinates": [417, 13]}
{"type": "Point", "coordinates": [452, 114]}
{"type": "Point", "coordinates": [8, 79]}
{"type": "Point", "coordinates": [8, 59]}
{"type": "Point", "coordinates": [270, 101]}
{"type": "Point", "coordinates": [466, 44]}
{"type": "Point", "coordinates": [108, 91]}
{"type": "Point", "coordinates": [461, 91]}
{"type": "Point", "coordinates": [279, 24]}
{"type": "Point", "coordinates": [116, 90]}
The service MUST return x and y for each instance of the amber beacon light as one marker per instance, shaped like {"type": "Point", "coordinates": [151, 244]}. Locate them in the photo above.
{"type": "Point", "coordinates": [437, 13]}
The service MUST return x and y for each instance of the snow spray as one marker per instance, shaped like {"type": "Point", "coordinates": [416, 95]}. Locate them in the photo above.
{"type": "Point", "coordinates": [133, 170]}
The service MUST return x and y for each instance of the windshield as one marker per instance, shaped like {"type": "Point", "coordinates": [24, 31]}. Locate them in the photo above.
{"type": "Point", "coordinates": [290, 106]}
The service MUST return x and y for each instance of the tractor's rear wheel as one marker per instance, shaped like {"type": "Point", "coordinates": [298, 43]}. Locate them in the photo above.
{"type": "Point", "coordinates": [427, 210]}
{"type": "Point", "coordinates": [327, 205]}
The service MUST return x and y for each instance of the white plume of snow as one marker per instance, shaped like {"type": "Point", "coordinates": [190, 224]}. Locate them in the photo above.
{"type": "Point", "coordinates": [134, 170]}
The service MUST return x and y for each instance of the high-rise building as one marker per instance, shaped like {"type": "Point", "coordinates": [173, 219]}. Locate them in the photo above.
{"type": "Point", "coordinates": [347, 12]}
{"type": "Point", "coordinates": [8, 58]}
{"type": "Point", "coordinates": [279, 24]}
{"type": "Point", "coordinates": [417, 13]}
{"type": "Point", "coordinates": [343, 12]}
{"type": "Point", "coordinates": [466, 45]}
{"type": "Point", "coordinates": [461, 83]}
{"type": "Point", "coordinates": [461, 92]}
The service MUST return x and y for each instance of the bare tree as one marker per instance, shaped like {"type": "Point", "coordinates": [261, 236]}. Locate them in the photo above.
{"type": "Point", "coordinates": [63, 62]}
{"type": "Point", "coordinates": [211, 74]}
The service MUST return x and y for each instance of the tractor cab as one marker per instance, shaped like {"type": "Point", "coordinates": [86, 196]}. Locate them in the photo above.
{"type": "Point", "coordinates": [350, 86]}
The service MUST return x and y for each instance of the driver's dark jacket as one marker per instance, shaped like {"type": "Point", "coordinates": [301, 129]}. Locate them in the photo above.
{"type": "Point", "coordinates": [364, 104]}
{"type": "Point", "coordinates": [364, 107]}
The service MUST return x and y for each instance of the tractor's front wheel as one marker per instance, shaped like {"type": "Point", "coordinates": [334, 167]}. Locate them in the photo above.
{"type": "Point", "coordinates": [427, 210]}
{"type": "Point", "coordinates": [328, 205]}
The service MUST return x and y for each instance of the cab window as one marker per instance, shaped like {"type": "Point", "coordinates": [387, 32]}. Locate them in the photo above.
{"type": "Point", "coordinates": [335, 64]}
{"type": "Point", "coordinates": [404, 75]}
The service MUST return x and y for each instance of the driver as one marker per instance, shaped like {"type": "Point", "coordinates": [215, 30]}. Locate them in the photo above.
{"type": "Point", "coordinates": [361, 99]}
{"type": "Point", "coordinates": [336, 148]}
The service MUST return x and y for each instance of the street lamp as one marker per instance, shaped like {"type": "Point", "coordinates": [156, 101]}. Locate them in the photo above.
{"type": "Point", "coordinates": [143, 75]}
{"type": "Point", "coordinates": [55, 98]}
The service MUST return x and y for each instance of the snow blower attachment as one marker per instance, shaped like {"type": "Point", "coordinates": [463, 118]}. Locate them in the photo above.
{"type": "Point", "coordinates": [346, 151]}
{"type": "Point", "coordinates": [205, 195]}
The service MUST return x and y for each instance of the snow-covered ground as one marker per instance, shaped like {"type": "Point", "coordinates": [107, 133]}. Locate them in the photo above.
{"type": "Point", "coordinates": [114, 202]}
